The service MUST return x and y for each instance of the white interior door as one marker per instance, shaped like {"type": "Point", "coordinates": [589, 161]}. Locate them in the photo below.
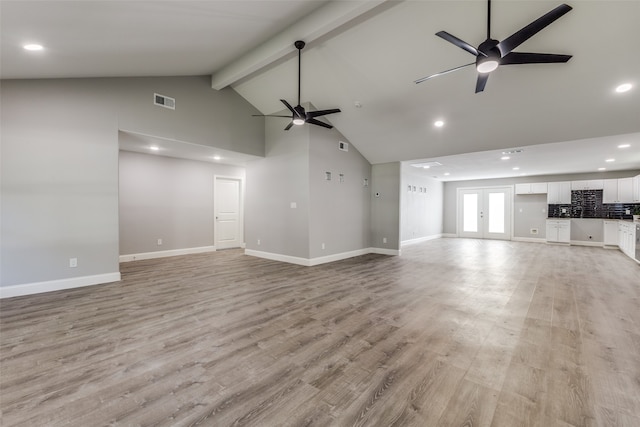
{"type": "Point", "coordinates": [228, 210]}
{"type": "Point", "coordinates": [484, 213]}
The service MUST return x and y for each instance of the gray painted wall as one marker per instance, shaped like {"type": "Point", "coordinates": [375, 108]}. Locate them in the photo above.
{"type": "Point", "coordinates": [385, 208]}
{"type": "Point", "coordinates": [421, 211]}
{"type": "Point", "coordinates": [530, 213]}
{"type": "Point", "coordinates": [340, 212]}
{"type": "Point", "coordinates": [59, 162]}
{"type": "Point", "coordinates": [273, 183]}
{"type": "Point", "coordinates": [169, 199]}
{"type": "Point", "coordinates": [534, 207]}
{"type": "Point", "coordinates": [293, 171]}
{"type": "Point", "coordinates": [59, 182]}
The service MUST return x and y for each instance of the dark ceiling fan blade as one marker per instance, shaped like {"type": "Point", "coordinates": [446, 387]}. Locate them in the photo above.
{"type": "Point", "coordinates": [319, 123]}
{"type": "Point", "coordinates": [289, 126]}
{"type": "Point", "coordinates": [288, 106]}
{"type": "Point", "coordinates": [519, 37]}
{"type": "Point", "coordinates": [458, 42]}
{"type": "Point", "coordinates": [443, 72]}
{"type": "Point", "coordinates": [533, 58]}
{"type": "Point", "coordinates": [482, 81]}
{"type": "Point", "coordinates": [268, 115]}
{"type": "Point", "coordinates": [312, 114]}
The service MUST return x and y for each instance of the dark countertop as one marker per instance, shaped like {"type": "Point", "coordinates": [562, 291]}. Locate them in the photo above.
{"type": "Point", "coordinates": [604, 219]}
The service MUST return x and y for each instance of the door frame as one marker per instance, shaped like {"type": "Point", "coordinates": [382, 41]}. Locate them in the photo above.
{"type": "Point", "coordinates": [241, 207]}
{"type": "Point", "coordinates": [510, 203]}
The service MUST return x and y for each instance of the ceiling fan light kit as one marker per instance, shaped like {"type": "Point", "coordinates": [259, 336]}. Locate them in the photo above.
{"type": "Point", "coordinates": [299, 115]}
{"type": "Point", "coordinates": [492, 53]}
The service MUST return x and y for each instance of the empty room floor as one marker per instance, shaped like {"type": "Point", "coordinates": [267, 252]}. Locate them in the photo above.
{"type": "Point", "coordinates": [455, 332]}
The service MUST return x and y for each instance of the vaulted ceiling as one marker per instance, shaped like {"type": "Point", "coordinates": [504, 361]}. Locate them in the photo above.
{"type": "Point", "coordinates": [363, 57]}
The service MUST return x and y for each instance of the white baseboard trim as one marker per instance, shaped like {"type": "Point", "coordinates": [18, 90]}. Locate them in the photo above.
{"type": "Point", "coordinates": [420, 240]}
{"type": "Point", "coordinates": [384, 251]}
{"type": "Point", "coordinates": [338, 257]}
{"type": "Point", "coordinates": [585, 243]}
{"type": "Point", "coordinates": [279, 257]}
{"type": "Point", "coordinates": [449, 235]}
{"type": "Point", "coordinates": [310, 262]}
{"type": "Point", "coordinates": [529, 239]}
{"type": "Point", "coordinates": [57, 285]}
{"type": "Point", "coordinates": [163, 254]}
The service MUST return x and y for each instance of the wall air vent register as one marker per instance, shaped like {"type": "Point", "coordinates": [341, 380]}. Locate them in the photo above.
{"type": "Point", "coordinates": [164, 101]}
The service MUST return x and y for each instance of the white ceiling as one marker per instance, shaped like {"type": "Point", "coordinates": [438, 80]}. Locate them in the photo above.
{"type": "Point", "coordinates": [567, 117]}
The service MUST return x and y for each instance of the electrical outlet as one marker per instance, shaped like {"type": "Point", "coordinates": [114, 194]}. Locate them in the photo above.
{"type": "Point", "coordinates": [534, 231]}
{"type": "Point", "coordinates": [258, 242]}
{"type": "Point", "coordinates": [384, 240]}
{"type": "Point", "coordinates": [73, 262]}
{"type": "Point", "coordinates": [323, 246]}
{"type": "Point", "coordinates": [159, 242]}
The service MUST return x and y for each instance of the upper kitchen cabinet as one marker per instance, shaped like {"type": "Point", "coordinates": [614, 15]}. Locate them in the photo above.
{"type": "Point", "coordinates": [559, 193]}
{"type": "Point", "coordinates": [532, 188]}
{"type": "Point", "coordinates": [618, 190]}
{"type": "Point", "coordinates": [636, 189]}
{"type": "Point", "coordinates": [592, 184]}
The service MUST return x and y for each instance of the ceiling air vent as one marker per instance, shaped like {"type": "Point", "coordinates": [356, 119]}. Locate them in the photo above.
{"type": "Point", "coordinates": [343, 146]}
{"type": "Point", "coordinates": [164, 101]}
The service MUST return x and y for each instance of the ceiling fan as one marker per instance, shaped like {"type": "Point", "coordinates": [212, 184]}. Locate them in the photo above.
{"type": "Point", "coordinates": [492, 53]}
{"type": "Point", "coordinates": [298, 114]}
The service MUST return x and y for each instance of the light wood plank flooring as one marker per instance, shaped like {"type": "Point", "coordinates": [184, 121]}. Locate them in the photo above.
{"type": "Point", "coordinates": [455, 332]}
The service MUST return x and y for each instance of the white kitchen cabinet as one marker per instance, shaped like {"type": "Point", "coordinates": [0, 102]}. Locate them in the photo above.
{"type": "Point", "coordinates": [611, 232]}
{"type": "Point", "coordinates": [627, 237]}
{"type": "Point", "coordinates": [559, 230]}
{"type": "Point", "coordinates": [532, 188]}
{"type": "Point", "coordinates": [636, 189]}
{"type": "Point", "coordinates": [625, 190]}
{"type": "Point", "coordinates": [617, 190]}
{"type": "Point", "coordinates": [592, 184]}
{"type": "Point", "coordinates": [559, 193]}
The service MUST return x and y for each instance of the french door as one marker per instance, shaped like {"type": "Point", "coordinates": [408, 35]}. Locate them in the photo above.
{"type": "Point", "coordinates": [484, 213]}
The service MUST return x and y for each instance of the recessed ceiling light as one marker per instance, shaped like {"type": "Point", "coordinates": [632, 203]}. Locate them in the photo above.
{"type": "Point", "coordinates": [624, 145]}
{"type": "Point", "coordinates": [447, 174]}
{"type": "Point", "coordinates": [505, 158]}
{"type": "Point", "coordinates": [610, 160]}
{"type": "Point", "coordinates": [438, 123]}
{"type": "Point", "coordinates": [426, 167]}
{"type": "Point", "coordinates": [625, 87]}
{"type": "Point", "coordinates": [516, 168]}
{"type": "Point", "coordinates": [154, 148]}
{"type": "Point", "coordinates": [33, 47]}
{"type": "Point", "coordinates": [602, 169]}
{"type": "Point", "coordinates": [217, 157]}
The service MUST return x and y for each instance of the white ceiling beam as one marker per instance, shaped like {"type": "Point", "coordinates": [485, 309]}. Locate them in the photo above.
{"type": "Point", "coordinates": [323, 20]}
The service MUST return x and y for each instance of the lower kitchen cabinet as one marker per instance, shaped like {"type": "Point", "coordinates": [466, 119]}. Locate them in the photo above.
{"type": "Point", "coordinates": [559, 230]}
{"type": "Point", "coordinates": [611, 233]}
{"type": "Point", "coordinates": [627, 238]}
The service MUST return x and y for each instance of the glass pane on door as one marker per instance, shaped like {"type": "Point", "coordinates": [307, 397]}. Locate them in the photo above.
{"type": "Point", "coordinates": [470, 213]}
{"type": "Point", "coordinates": [496, 212]}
